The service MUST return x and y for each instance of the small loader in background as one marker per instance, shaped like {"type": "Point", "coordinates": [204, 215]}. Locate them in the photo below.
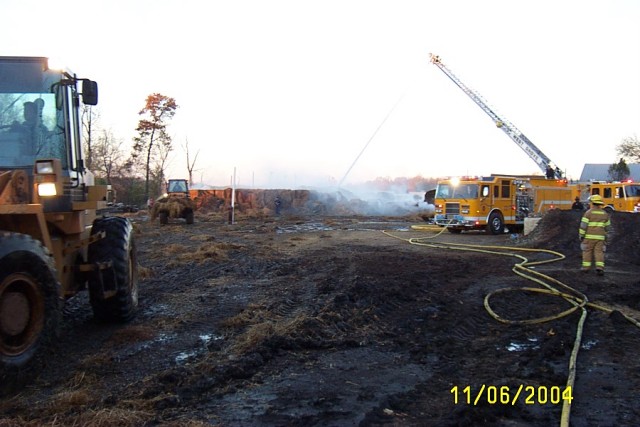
{"type": "Point", "coordinates": [52, 244]}
{"type": "Point", "coordinates": [175, 203]}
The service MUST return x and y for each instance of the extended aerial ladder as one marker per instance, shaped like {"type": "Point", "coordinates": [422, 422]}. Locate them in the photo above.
{"type": "Point", "coordinates": [518, 137]}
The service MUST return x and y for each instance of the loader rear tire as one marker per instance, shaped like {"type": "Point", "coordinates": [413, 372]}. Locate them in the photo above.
{"type": "Point", "coordinates": [118, 247]}
{"type": "Point", "coordinates": [189, 217]}
{"type": "Point", "coordinates": [30, 304]}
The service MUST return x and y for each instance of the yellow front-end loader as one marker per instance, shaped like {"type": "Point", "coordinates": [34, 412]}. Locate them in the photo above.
{"type": "Point", "coordinates": [52, 242]}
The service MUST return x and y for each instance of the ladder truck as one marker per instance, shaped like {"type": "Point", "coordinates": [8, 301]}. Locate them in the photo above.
{"type": "Point", "coordinates": [518, 137]}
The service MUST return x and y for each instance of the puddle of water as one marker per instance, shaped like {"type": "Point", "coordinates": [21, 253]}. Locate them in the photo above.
{"type": "Point", "coordinates": [164, 338]}
{"type": "Point", "coordinates": [303, 227]}
{"type": "Point", "coordinates": [184, 356]}
{"type": "Point", "coordinates": [155, 309]}
{"type": "Point", "coordinates": [531, 344]}
{"type": "Point", "coordinates": [206, 339]}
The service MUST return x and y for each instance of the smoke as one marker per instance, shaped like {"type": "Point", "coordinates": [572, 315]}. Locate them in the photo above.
{"type": "Point", "coordinates": [365, 200]}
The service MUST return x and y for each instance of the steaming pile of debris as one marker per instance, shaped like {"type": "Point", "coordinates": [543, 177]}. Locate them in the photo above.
{"type": "Point", "coordinates": [338, 202]}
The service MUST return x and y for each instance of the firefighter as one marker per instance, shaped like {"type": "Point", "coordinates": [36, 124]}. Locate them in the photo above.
{"type": "Point", "coordinates": [278, 203]}
{"type": "Point", "coordinates": [550, 173]}
{"type": "Point", "coordinates": [577, 205]}
{"type": "Point", "coordinates": [594, 226]}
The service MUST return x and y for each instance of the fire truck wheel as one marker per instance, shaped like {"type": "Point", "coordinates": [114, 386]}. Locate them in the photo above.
{"type": "Point", "coordinates": [454, 230]}
{"type": "Point", "coordinates": [118, 247]}
{"type": "Point", "coordinates": [30, 303]}
{"type": "Point", "coordinates": [164, 218]}
{"type": "Point", "coordinates": [495, 224]}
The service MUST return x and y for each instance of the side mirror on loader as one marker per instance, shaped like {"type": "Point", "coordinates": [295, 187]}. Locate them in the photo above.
{"type": "Point", "coordinates": [89, 92]}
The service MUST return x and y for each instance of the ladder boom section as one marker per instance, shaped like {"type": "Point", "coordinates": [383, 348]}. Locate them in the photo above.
{"type": "Point", "coordinates": [507, 127]}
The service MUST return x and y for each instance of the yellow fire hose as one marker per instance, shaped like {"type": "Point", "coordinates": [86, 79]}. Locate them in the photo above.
{"type": "Point", "coordinates": [577, 299]}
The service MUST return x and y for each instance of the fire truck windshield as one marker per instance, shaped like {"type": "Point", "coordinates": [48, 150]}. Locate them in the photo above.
{"type": "Point", "coordinates": [460, 191]}
{"type": "Point", "coordinates": [633, 190]}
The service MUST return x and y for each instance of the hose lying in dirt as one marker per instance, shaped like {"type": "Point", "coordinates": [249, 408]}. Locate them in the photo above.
{"type": "Point", "coordinates": [577, 299]}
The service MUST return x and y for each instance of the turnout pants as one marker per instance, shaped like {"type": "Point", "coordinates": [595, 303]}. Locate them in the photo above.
{"type": "Point", "coordinates": [592, 250]}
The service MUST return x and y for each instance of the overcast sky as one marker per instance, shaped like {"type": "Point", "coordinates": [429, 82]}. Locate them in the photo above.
{"type": "Point", "coordinates": [289, 92]}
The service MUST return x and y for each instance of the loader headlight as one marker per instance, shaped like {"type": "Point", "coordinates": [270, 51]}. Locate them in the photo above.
{"type": "Point", "coordinates": [47, 189]}
{"type": "Point", "coordinates": [48, 174]}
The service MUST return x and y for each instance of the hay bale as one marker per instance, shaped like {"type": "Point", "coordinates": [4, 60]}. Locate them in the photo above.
{"type": "Point", "coordinates": [176, 207]}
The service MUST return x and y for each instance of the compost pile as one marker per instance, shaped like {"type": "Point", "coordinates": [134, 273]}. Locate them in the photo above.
{"type": "Point", "coordinates": [314, 320]}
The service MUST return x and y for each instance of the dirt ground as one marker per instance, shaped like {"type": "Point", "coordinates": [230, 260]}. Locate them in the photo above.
{"type": "Point", "coordinates": [329, 321]}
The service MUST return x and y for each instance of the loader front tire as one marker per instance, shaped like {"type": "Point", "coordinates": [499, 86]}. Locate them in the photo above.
{"type": "Point", "coordinates": [30, 303]}
{"type": "Point", "coordinates": [118, 247]}
{"type": "Point", "coordinates": [189, 217]}
{"type": "Point", "coordinates": [164, 217]}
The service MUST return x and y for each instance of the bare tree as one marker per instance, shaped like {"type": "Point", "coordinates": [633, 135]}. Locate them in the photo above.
{"type": "Point", "coordinates": [629, 149]}
{"type": "Point", "coordinates": [152, 130]}
{"type": "Point", "coordinates": [109, 160]}
{"type": "Point", "coordinates": [190, 165]}
{"type": "Point", "coordinates": [160, 166]}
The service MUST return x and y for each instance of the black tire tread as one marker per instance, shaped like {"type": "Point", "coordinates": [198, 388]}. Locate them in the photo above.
{"type": "Point", "coordinates": [117, 246]}
{"type": "Point", "coordinates": [23, 253]}
{"type": "Point", "coordinates": [490, 227]}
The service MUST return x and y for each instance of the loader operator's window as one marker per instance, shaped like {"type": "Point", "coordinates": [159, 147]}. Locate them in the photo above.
{"type": "Point", "coordinates": [29, 129]}
{"type": "Point", "coordinates": [177, 186]}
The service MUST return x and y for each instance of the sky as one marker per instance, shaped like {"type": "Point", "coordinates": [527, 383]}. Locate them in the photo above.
{"type": "Point", "coordinates": [297, 93]}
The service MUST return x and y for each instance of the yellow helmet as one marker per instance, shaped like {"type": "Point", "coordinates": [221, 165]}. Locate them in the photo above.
{"type": "Point", "coordinates": [596, 199]}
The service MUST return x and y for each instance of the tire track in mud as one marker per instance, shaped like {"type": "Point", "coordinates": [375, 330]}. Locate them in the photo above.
{"type": "Point", "coordinates": [339, 310]}
{"type": "Point", "coordinates": [245, 299]}
{"type": "Point", "coordinates": [333, 307]}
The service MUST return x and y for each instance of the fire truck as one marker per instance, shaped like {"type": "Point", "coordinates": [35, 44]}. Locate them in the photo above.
{"type": "Point", "coordinates": [498, 201]}
{"type": "Point", "coordinates": [620, 196]}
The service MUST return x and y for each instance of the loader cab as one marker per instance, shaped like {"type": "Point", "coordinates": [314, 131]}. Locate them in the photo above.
{"type": "Point", "coordinates": [39, 120]}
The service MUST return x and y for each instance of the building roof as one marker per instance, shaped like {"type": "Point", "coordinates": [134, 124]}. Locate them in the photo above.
{"type": "Point", "coordinates": [600, 172]}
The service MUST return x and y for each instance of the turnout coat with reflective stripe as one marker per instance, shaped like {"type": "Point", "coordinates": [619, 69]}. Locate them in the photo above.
{"type": "Point", "coordinates": [594, 224]}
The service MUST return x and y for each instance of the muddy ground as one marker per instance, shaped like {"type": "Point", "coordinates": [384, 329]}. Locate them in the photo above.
{"type": "Point", "coordinates": [328, 321]}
